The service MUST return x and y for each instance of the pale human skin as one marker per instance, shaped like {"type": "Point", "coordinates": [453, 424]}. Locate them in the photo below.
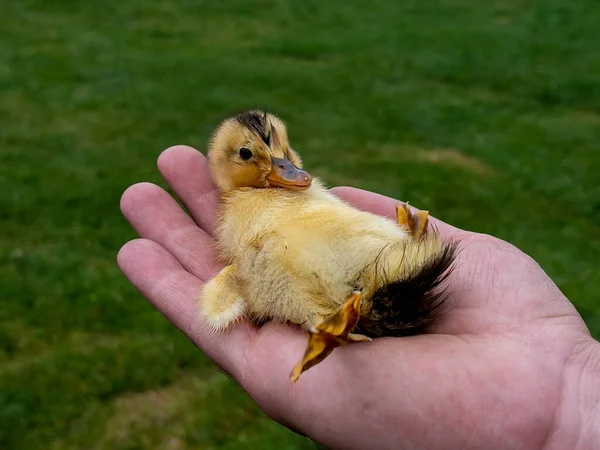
{"type": "Point", "coordinates": [510, 365]}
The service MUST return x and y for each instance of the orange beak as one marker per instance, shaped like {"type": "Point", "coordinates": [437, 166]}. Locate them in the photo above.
{"type": "Point", "coordinates": [284, 174]}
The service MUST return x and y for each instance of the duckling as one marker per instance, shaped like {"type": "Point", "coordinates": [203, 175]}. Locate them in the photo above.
{"type": "Point", "coordinates": [294, 252]}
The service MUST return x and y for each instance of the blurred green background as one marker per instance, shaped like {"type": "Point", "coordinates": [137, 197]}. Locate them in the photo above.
{"type": "Point", "coordinates": [486, 113]}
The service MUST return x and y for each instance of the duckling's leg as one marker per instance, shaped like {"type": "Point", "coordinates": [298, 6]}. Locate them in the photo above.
{"type": "Point", "coordinates": [221, 302]}
{"type": "Point", "coordinates": [416, 223]}
{"type": "Point", "coordinates": [333, 332]}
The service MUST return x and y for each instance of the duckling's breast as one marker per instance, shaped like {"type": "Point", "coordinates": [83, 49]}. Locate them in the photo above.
{"type": "Point", "coordinates": [299, 255]}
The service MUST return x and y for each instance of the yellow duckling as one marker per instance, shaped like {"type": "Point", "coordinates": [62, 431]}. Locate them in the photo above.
{"type": "Point", "coordinates": [294, 252]}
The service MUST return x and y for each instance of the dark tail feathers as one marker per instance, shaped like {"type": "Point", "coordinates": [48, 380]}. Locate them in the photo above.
{"type": "Point", "coordinates": [407, 307]}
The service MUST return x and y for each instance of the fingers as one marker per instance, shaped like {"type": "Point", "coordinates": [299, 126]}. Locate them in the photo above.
{"type": "Point", "coordinates": [170, 265]}
{"type": "Point", "coordinates": [157, 216]}
{"type": "Point", "coordinates": [175, 292]}
{"type": "Point", "coordinates": [186, 171]}
{"type": "Point", "coordinates": [161, 279]}
{"type": "Point", "coordinates": [386, 206]}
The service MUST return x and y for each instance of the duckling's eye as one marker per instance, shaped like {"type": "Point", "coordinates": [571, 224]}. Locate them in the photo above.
{"type": "Point", "coordinates": [245, 153]}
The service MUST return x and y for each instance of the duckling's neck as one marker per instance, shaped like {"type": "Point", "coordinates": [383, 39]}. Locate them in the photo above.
{"type": "Point", "coordinates": [276, 194]}
{"type": "Point", "coordinates": [250, 212]}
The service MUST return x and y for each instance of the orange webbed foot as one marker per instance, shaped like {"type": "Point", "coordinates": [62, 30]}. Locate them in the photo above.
{"type": "Point", "coordinates": [415, 223]}
{"type": "Point", "coordinates": [332, 332]}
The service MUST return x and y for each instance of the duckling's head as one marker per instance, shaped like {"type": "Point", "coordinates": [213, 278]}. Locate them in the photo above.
{"type": "Point", "coordinates": [252, 150]}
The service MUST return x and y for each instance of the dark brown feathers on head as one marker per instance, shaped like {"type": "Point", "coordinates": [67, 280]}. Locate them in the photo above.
{"type": "Point", "coordinates": [257, 122]}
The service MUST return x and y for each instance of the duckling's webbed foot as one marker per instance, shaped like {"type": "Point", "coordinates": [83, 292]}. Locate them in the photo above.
{"type": "Point", "coordinates": [333, 332]}
{"type": "Point", "coordinates": [415, 223]}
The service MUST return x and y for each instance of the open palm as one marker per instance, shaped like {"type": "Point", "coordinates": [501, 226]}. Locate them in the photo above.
{"type": "Point", "coordinates": [490, 375]}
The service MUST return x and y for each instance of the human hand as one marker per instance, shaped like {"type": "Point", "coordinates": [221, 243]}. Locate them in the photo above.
{"type": "Point", "coordinates": [509, 365]}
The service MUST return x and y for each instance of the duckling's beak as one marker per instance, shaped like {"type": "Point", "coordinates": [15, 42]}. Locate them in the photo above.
{"type": "Point", "coordinates": [284, 174]}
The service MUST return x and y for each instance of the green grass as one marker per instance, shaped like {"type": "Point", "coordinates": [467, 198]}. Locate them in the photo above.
{"type": "Point", "coordinates": [486, 113]}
